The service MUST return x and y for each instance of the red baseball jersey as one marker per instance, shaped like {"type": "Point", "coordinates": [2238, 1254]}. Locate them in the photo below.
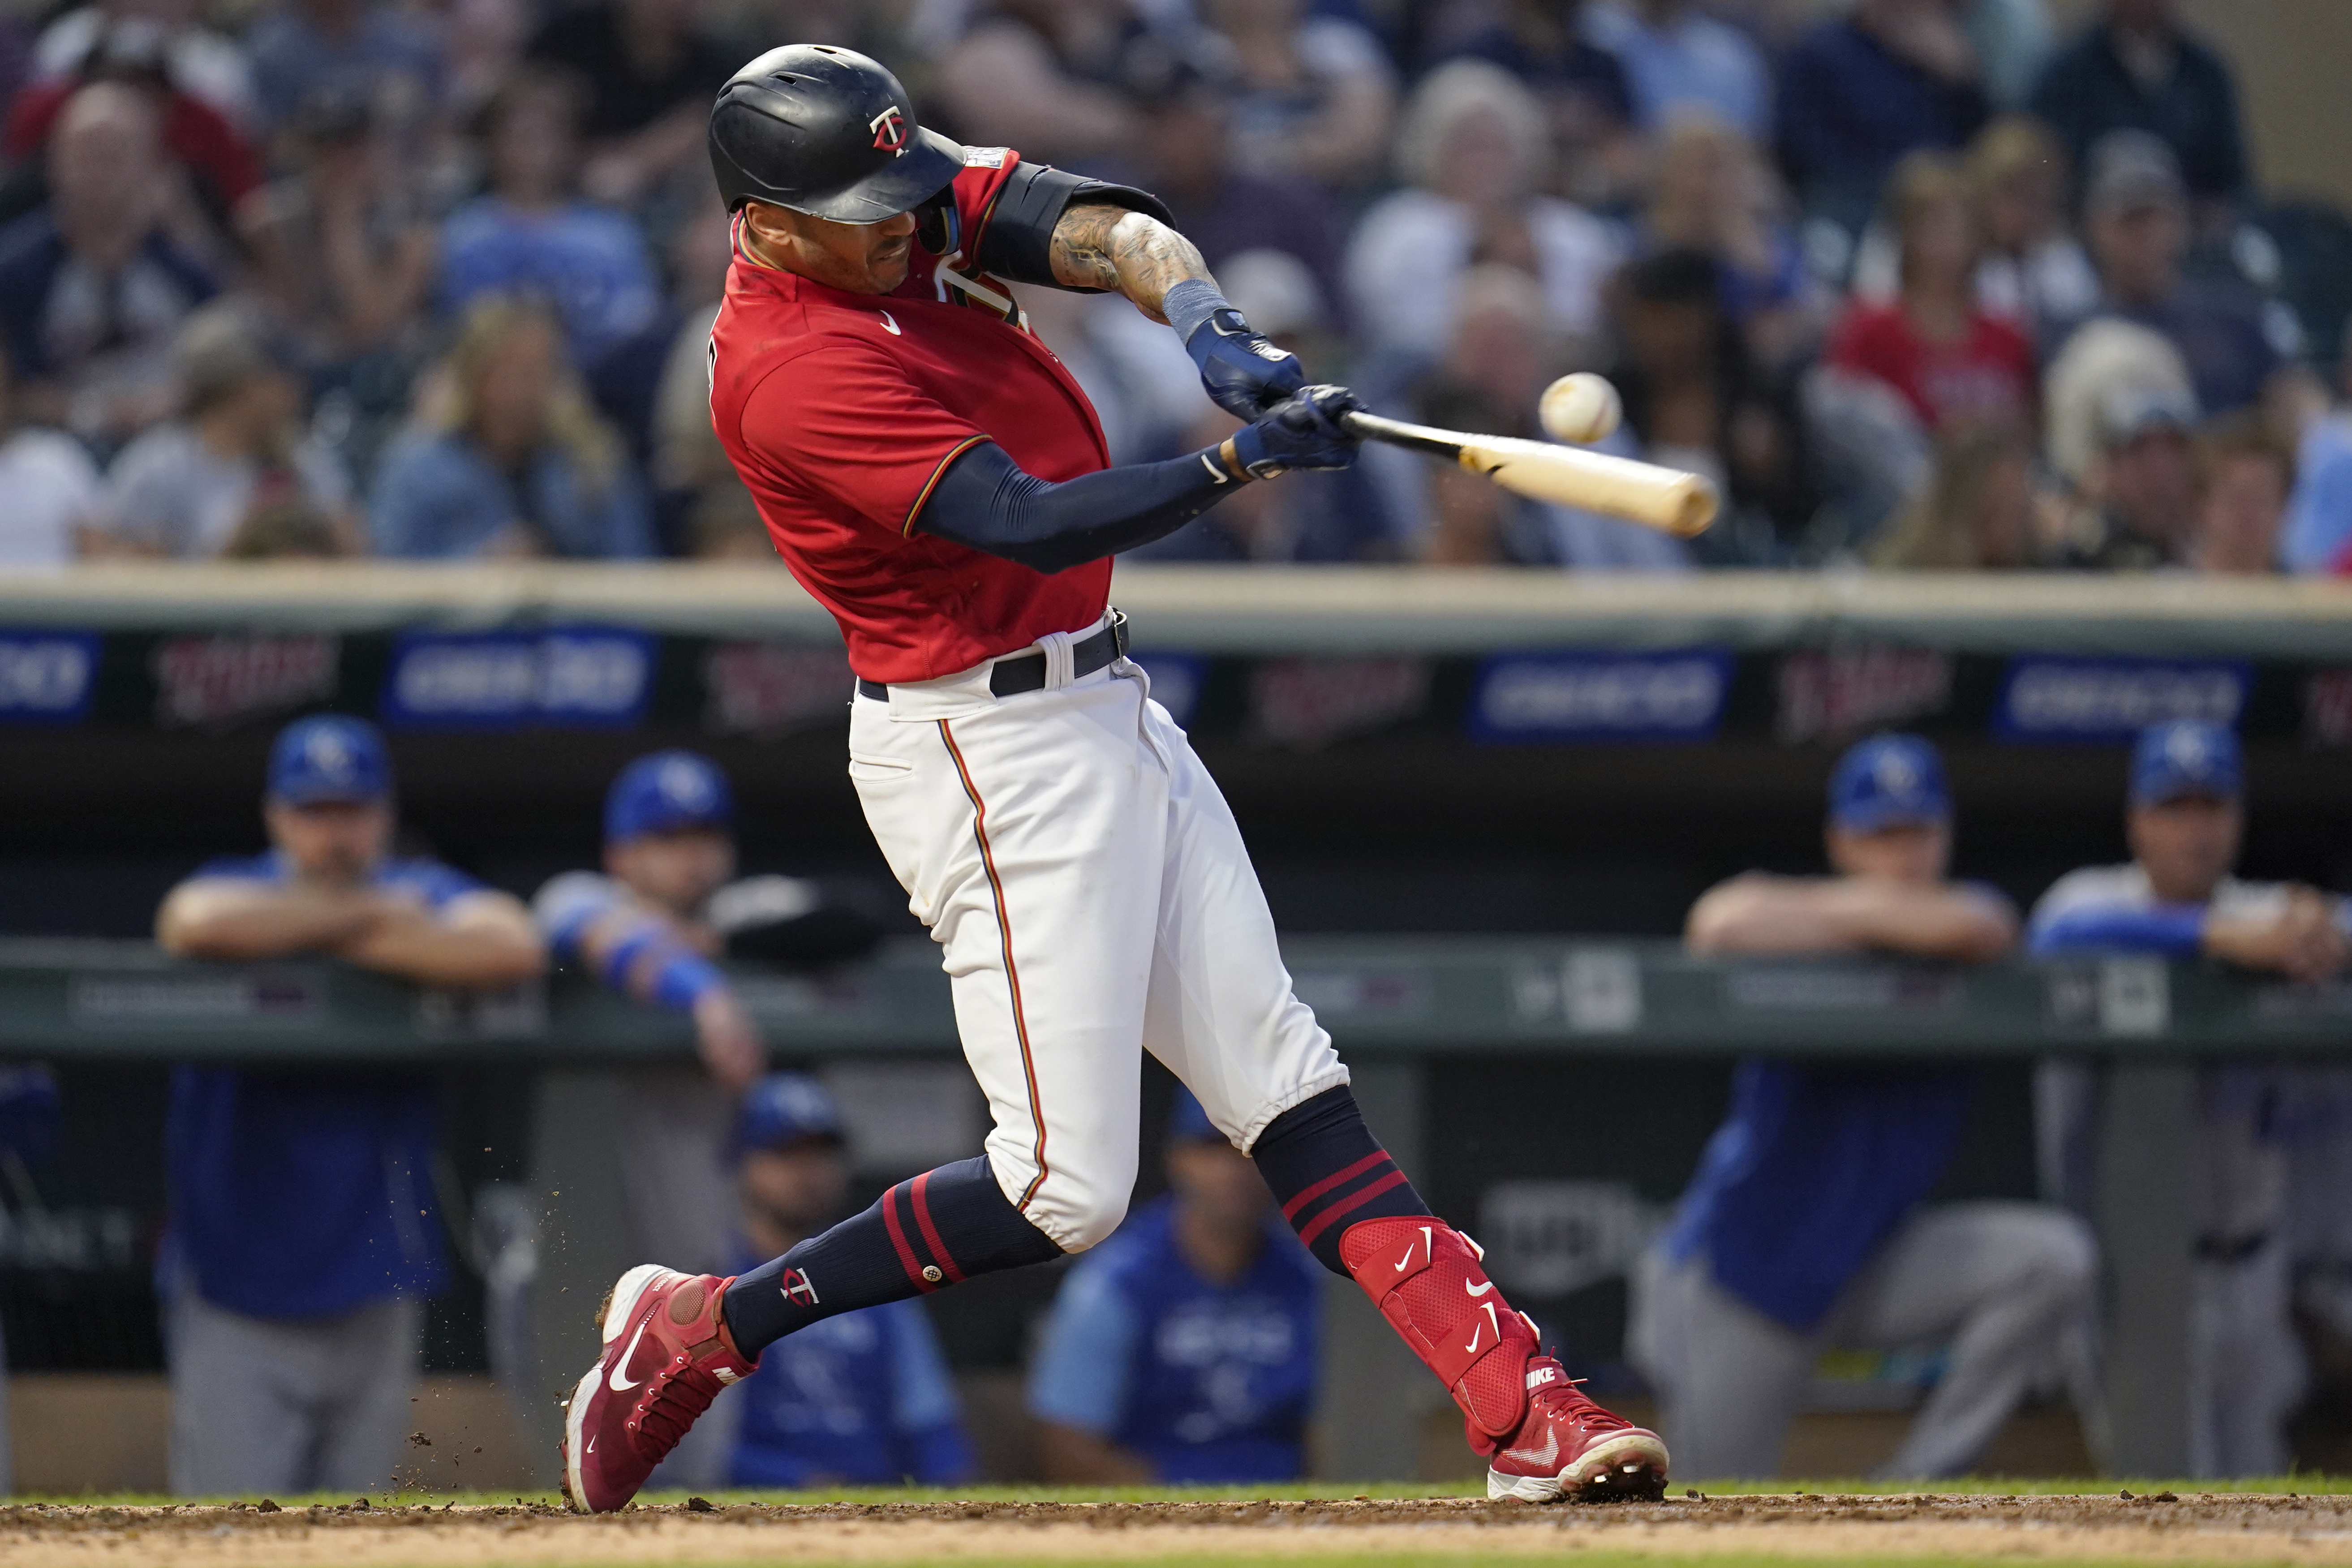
{"type": "Point", "coordinates": [841, 411]}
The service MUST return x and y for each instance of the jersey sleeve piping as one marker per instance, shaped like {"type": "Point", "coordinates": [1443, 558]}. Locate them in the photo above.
{"type": "Point", "coordinates": [906, 530]}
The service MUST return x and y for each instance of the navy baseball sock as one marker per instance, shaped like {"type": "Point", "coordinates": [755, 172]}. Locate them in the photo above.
{"type": "Point", "coordinates": [1327, 1172]}
{"type": "Point", "coordinates": [921, 1236]}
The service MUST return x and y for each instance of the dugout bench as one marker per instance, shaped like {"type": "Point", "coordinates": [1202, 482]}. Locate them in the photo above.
{"type": "Point", "coordinates": [1398, 1009]}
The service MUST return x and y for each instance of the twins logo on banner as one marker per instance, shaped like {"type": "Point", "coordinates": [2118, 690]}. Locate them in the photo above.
{"type": "Point", "coordinates": [503, 680]}
{"type": "Point", "coordinates": [1309, 702]}
{"type": "Point", "coordinates": [1600, 696]}
{"type": "Point", "coordinates": [46, 678]}
{"type": "Point", "coordinates": [2093, 699]}
{"type": "Point", "coordinates": [1836, 692]}
{"type": "Point", "coordinates": [772, 688]}
{"type": "Point", "coordinates": [221, 679]}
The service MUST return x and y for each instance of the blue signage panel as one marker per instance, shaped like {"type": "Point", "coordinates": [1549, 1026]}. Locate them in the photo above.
{"type": "Point", "coordinates": [1676, 696]}
{"type": "Point", "coordinates": [2052, 699]}
{"type": "Point", "coordinates": [46, 678]}
{"type": "Point", "coordinates": [506, 680]}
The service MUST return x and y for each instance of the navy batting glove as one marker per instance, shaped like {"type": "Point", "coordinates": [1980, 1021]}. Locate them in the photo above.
{"type": "Point", "coordinates": [1304, 433]}
{"type": "Point", "coordinates": [1242, 371]}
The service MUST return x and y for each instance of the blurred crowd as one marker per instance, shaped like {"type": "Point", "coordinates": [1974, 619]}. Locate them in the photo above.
{"type": "Point", "coordinates": [1920, 283]}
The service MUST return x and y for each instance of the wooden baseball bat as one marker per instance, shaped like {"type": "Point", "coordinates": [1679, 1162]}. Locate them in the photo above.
{"type": "Point", "coordinates": [1668, 500]}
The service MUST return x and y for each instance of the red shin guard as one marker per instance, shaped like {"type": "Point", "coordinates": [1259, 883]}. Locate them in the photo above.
{"type": "Point", "coordinates": [1426, 1279]}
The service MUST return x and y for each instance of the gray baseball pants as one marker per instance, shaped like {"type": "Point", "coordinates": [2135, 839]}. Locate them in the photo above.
{"type": "Point", "coordinates": [2003, 1284]}
{"type": "Point", "coordinates": [275, 1406]}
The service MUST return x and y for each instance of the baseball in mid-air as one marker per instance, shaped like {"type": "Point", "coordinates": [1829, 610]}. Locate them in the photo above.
{"type": "Point", "coordinates": [1581, 408]}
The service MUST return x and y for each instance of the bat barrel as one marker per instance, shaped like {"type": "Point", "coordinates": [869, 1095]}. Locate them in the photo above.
{"type": "Point", "coordinates": [1668, 500]}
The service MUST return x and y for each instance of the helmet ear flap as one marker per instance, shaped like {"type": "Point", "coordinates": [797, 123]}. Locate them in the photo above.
{"type": "Point", "coordinates": [937, 228]}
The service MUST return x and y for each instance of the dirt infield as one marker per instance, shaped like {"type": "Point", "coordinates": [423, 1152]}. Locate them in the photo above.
{"type": "Point", "coordinates": [1768, 1529]}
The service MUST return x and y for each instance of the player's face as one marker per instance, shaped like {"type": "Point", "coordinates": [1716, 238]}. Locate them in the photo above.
{"type": "Point", "coordinates": [1218, 1183]}
{"type": "Point", "coordinates": [856, 258]}
{"type": "Point", "coordinates": [2186, 845]}
{"type": "Point", "coordinates": [332, 841]}
{"type": "Point", "coordinates": [675, 872]}
{"type": "Point", "coordinates": [796, 1188]}
{"type": "Point", "coordinates": [1914, 852]}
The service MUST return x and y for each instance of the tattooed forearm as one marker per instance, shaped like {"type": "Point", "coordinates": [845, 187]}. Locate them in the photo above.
{"type": "Point", "coordinates": [1125, 252]}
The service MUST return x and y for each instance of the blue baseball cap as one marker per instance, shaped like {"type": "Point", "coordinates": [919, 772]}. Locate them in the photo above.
{"type": "Point", "coordinates": [665, 792]}
{"type": "Point", "coordinates": [784, 1108]}
{"type": "Point", "coordinates": [1188, 1123]}
{"type": "Point", "coordinates": [1888, 781]}
{"type": "Point", "coordinates": [329, 757]}
{"type": "Point", "coordinates": [2187, 756]}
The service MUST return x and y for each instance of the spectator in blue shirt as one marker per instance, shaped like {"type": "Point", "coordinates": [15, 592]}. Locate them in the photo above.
{"type": "Point", "coordinates": [862, 1399]}
{"type": "Point", "coordinates": [1858, 92]}
{"type": "Point", "coordinates": [1679, 59]}
{"type": "Point", "coordinates": [370, 52]}
{"type": "Point", "coordinates": [505, 458]}
{"type": "Point", "coordinates": [1806, 1227]}
{"type": "Point", "coordinates": [2176, 899]}
{"type": "Point", "coordinates": [2134, 67]}
{"type": "Point", "coordinates": [1183, 1349]}
{"type": "Point", "coordinates": [533, 235]}
{"type": "Point", "coordinates": [304, 1232]}
{"type": "Point", "coordinates": [2135, 218]}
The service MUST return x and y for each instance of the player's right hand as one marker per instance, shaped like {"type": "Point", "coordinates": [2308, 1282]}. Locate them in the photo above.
{"type": "Point", "coordinates": [2304, 941]}
{"type": "Point", "coordinates": [1304, 433]}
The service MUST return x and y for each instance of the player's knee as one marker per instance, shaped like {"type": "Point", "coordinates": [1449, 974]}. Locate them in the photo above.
{"type": "Point", "coordinates": [1092, 1216]}
{"type": "Point", "coordinates": [2065, 1256]}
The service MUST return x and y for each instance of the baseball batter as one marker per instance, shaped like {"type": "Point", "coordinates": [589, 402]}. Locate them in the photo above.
{"type": "Point", "coordinates": [935, 477]}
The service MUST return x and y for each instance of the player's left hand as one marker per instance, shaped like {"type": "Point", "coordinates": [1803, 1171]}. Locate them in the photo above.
{"type": "Point", "coordinates": [1243, 371]}
{"type": "Point", "coordinates": [1303, 432]}
{"type": "Point", "coordinates": [728, 1041]}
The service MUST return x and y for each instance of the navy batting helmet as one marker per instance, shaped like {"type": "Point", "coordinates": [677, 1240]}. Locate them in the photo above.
{"type": "Point", "coordinates": [825, 132]}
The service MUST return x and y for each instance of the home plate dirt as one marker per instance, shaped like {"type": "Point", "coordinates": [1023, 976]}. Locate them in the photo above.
{"type": "Point", "coordinates": [2190, 1528]}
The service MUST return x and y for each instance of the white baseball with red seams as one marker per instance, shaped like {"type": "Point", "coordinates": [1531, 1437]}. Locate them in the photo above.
{"type": "Point", "coordinates": [1089, 887]}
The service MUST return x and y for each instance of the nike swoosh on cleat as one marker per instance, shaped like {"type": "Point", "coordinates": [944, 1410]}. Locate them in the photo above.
{"type": "Point", "coordinates": [1547, 1455]}
{"type": "Point", "coordinates": [615, 1381]}
{"type": "Point", "coordinates": [1477, 1289]}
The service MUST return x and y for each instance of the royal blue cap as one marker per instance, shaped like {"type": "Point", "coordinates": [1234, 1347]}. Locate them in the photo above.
{"type": "Point", "coordinates": [329, 757]}
{"type": "Point", "coordinates": [1888, 781]}
{"type": "Point", "coordinates": [665, 792]}
{"type": "Point", "coordinates": [1188, 1123]}
{"type": "Point", "coordinates": [2187, 756]}
{"type": "Point", "coordinates": [784, 1108]}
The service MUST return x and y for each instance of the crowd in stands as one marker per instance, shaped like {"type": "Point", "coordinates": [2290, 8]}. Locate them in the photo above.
{"type": "Point", "coordinates": [1920, 284]}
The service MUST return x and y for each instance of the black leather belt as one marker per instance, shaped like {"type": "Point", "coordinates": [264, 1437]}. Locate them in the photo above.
{"type": "Point", "coordinates": [1026, 672]}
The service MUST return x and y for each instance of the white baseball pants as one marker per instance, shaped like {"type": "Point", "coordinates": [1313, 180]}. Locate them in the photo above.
{"type": "Point", "coordinates": [1089, 890]}
{"type": "Point", "coordinates": [2000, 1282]}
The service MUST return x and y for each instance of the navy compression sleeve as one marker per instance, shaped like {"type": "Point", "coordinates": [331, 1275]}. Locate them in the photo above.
{"type": "Point", "coordinates": [987, 501]}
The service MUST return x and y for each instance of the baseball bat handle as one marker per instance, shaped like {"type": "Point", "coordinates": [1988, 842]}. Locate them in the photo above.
{"type": "Point", "coordinates": [1669, 499]}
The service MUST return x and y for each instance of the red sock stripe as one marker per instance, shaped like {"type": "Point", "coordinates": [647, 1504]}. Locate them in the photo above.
{"type": "Point", "coordinates": [931, 1235]}
{"type": "Point", "coordinates": [898, 1240]}
{"type": "Point", "coordinates": [1348, 1206]}
{"type": "Point", "coordinates": [1290, 1210]}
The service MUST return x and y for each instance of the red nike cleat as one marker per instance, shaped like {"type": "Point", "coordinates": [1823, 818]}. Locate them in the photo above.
{"type": "Point", "coordinates": [1570, 1447]}
{"type": "Point", "coordinates": [667, 1355]}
